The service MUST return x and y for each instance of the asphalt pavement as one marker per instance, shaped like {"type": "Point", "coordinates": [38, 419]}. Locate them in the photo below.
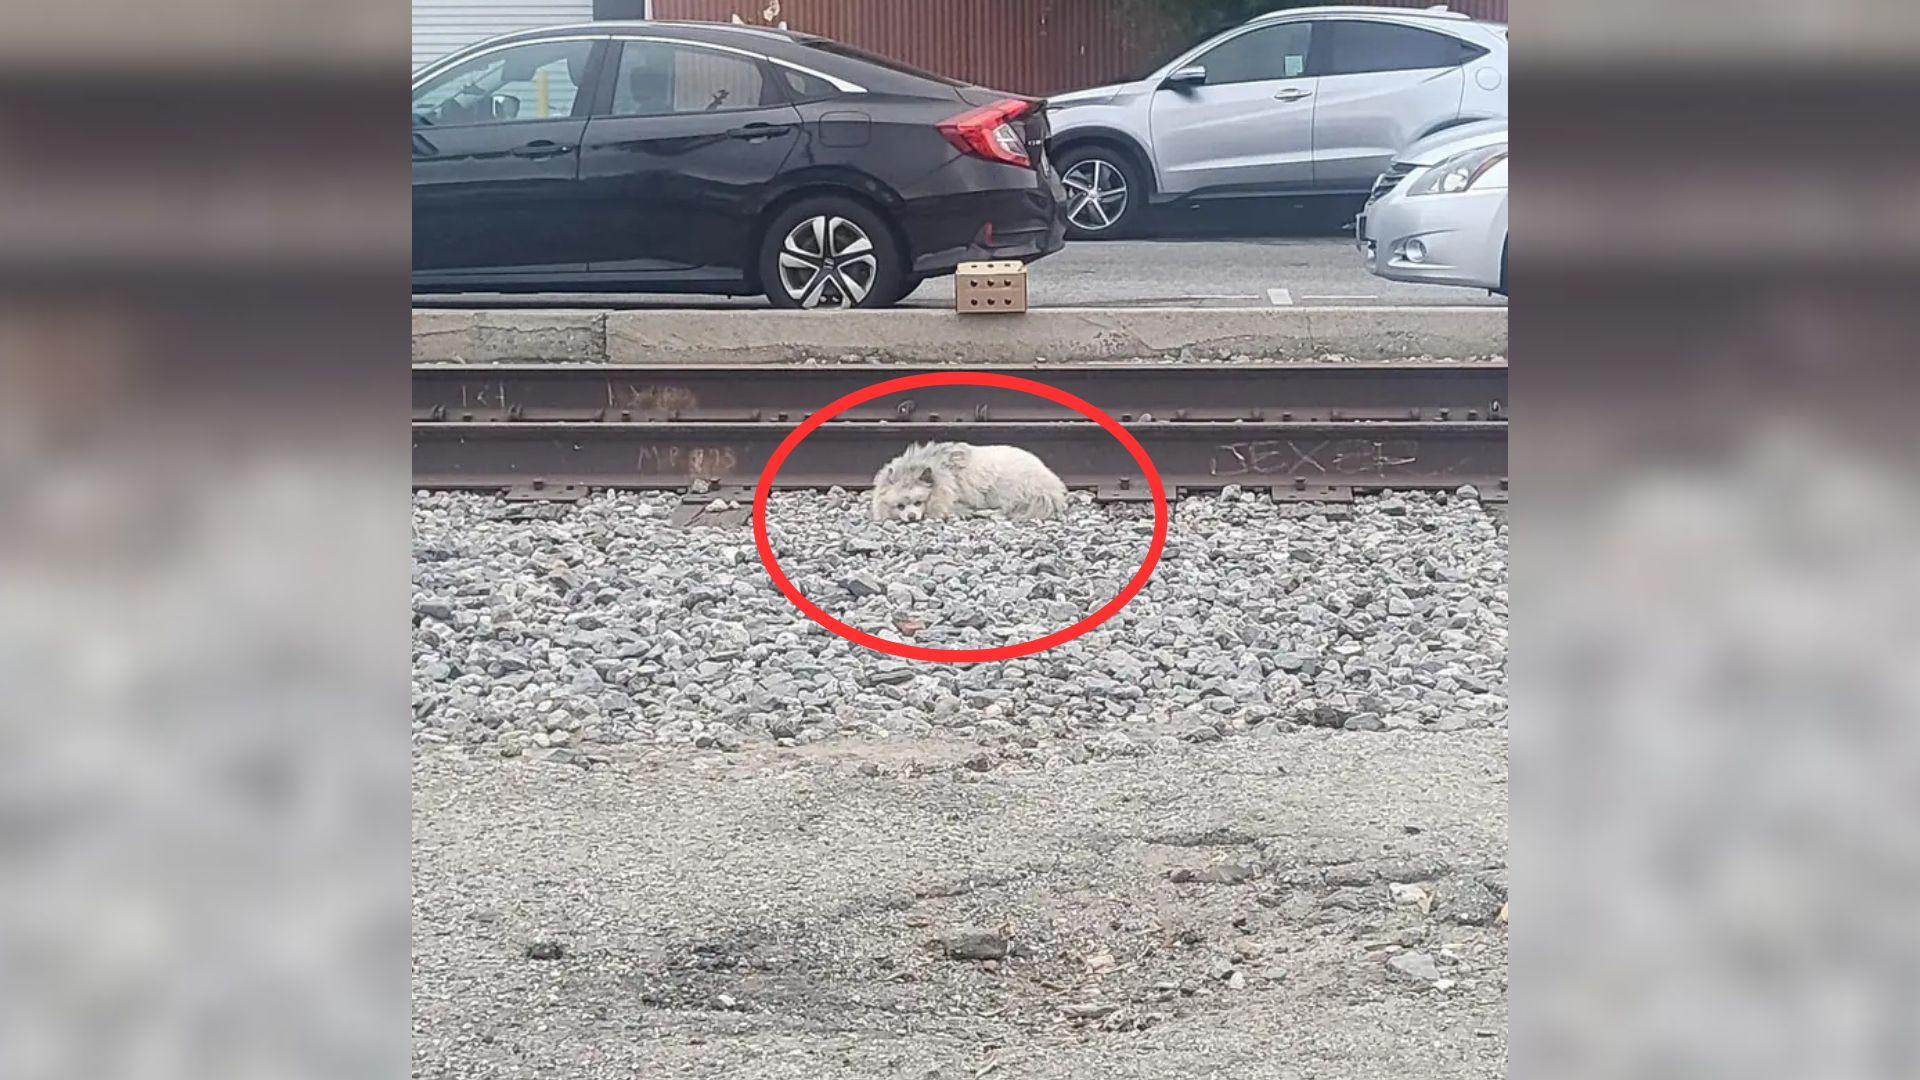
{"type": "Point", "coordinates": [1210, 273]}
{"type": "Point", "coordinates": [1168, 272]}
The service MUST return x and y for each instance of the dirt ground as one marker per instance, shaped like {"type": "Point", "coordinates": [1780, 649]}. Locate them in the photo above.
{"type": "Point", "coordinates": [1301, 905]}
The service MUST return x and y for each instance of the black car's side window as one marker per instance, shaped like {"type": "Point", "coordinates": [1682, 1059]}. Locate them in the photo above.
{"type": "Point", "coordinates": [537, 81]}
{"type": "Point", "coordinates": [1271, 52]}
{"type": "Point", "coordinates": [803, 87]}
{"type": "Point", "coordinates": [1361, 47]}
{"type": "Point", "coordinates": [657, 79]}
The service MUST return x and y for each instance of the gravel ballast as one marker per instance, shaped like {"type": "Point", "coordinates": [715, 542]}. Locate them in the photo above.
{"type": "Point", "coordinates": [563, 630]}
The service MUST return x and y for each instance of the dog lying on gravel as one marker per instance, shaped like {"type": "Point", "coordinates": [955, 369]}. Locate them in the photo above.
{"type": "Point", "coordinates": [931, 481]}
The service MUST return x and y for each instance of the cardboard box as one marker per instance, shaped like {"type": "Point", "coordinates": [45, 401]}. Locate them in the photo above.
{"type": "Point", "coordinates": [983, 287]}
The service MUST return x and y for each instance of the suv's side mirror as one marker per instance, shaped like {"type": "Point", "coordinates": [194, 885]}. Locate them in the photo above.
{"type": "Point", "coordinates": [1192, 75]}
{"type": "Point", "coordinates": [506, 107]}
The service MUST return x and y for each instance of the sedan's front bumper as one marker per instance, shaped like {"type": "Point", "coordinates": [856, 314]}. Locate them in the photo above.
{"type": "Point", "coordinates": [1452, 239]}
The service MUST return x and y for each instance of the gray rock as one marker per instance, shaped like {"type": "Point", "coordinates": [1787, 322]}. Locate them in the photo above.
{"type": "Point", "coordinates": [434, 609]}
{"type": "Point", "coordinates": [1326, 716]}
{"type": "Point", "coordinates": [1346, 875]}
{"type": "Point", "coordinates": [1354, 900]}
{"type": "Point", "coordinates": [1224, 873]}
{"type": "Point", "coordinates": [1466, 901]}
{"type": "Point", "coordinates": [973, 943]}
{"type": "Point", "coordinates": [890, 676]}
{"type": "Point", "coordinates": [1411, 868]}
{"type": "Point", "coordinates": [1416, 966]}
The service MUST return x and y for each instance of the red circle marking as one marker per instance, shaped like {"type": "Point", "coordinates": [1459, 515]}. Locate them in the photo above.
{"type": "Point", "coordinates": [959, 378]}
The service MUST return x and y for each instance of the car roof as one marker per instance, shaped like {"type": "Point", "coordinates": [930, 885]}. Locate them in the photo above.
{"type": "Point", "coordinates": [1438, 12]}
{"type": "Point", "coordinates": [873, 73]}
{"type": "Point", "coordinates": [696, 28]}
{"type": "Point", "coordinates": [691, 31]}
{"type": "Point", "coordinates": [1438, 18]}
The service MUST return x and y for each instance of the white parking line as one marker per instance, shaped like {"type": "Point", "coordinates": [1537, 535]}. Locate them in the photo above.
{"type": "Point", "coordinates": [1280, 297]}
{"type": "Point", "coordinates": [1346, 296]}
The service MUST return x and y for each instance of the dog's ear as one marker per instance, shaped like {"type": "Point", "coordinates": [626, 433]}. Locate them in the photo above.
{"type": "Point", "coordinates": [925, 475]}
{"type": "Point", "coordinates": [958, 455]}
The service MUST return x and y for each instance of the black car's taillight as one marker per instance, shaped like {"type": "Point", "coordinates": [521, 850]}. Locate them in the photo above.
{"type": "Point", "coordinates": [990, 132]}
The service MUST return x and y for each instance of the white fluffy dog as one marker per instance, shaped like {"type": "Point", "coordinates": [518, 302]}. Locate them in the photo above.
{"type": "Point", "coordinates": [937, 480]}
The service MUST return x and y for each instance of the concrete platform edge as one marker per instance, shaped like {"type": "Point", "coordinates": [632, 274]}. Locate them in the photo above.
{"type": "Point", "coordinates": [923, 336]}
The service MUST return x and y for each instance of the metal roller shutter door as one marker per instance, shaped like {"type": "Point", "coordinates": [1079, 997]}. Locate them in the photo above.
{"type": "Point", "coordinates": [441, 26]}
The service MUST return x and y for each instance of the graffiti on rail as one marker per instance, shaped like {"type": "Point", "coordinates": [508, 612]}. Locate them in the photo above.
{"type": "Point", "coordinates": [650, 397]}
{"type": "Point", "coordinates": [491, 394]}
{"type": "Point", "coordinates": [706, 462]}
{"type": "Point", "coordinates": [1328, 457]}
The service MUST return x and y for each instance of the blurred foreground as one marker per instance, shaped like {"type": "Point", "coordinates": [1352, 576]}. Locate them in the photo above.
{"type": "Point", "coordinates": [203, 542]}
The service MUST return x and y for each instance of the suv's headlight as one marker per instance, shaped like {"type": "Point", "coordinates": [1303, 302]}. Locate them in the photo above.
{"type": "Point", "coordinates": [1460, 172]}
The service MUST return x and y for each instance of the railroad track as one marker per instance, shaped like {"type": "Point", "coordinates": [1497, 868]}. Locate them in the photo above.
{"type": "Point", "coordinates": [1308, 431]}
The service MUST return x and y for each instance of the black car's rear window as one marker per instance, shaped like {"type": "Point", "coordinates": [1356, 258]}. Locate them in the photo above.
{"type": "Point", "coordinates": [835, 48]}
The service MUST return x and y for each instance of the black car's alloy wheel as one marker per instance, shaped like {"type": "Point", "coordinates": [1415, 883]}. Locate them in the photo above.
{"type": "Point", "coordinates": [1104, 192]}
{"type": "Point", "coordinates": [830, 253]}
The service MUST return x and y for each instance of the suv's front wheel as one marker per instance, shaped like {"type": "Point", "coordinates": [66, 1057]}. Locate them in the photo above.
{"type": "Point", "coordinates": [1105, 194]}
{"type": "Point", "coordinates": [830, 252]}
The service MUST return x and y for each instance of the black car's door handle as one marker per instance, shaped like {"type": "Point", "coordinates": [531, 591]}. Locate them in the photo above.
{"type": "Point", "coordinates": [541, 148]}
{"type": "Point", "coordinates": [759, 131]}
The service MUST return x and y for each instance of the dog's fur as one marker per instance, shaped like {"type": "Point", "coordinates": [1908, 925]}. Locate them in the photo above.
{"type": "Point", "coordinates": [937, 480]}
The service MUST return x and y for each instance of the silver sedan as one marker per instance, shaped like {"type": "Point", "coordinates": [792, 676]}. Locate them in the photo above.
{"type": "Point", "coordinates": [1438, 216]}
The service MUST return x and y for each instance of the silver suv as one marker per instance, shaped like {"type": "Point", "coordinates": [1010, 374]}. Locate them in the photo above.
{"type": "Point", "coordinates": [1301, 102]}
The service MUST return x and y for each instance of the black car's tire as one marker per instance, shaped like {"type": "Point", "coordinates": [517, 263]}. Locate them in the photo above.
{"type": "Point", "coordinates": [831, 251]}
{"type": "Point", "coordinates": [1106, 195]}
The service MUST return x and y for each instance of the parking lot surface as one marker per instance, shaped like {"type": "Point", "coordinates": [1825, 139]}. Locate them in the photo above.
{"type": "Point", "coordinates": [1172, 272]}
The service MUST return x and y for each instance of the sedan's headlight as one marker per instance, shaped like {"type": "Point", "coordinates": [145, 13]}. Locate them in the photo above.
{"type": "Point", "coordinates": [1460, 172]}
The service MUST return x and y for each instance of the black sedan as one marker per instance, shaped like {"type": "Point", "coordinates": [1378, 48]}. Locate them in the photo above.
{"type": "Point", "coordinates": [687, 157]}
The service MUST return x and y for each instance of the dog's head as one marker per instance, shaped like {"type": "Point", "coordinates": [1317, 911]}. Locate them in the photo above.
{"type": "Point", "coordinates": [901, 494]}
{"type": "Point", "coordinates": [902, 488]}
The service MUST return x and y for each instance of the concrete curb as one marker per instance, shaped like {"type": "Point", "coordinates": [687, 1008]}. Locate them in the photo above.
{"type": "Point", "coordinates": [924, 336]}
{"type": "Point", "coordinates": [508, 337]}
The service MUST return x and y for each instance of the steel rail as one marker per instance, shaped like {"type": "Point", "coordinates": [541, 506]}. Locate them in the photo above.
{"type": "Point", "coordinates": [1309, 459]}
{"type": "Point", "coordinates": [1129, 392]}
